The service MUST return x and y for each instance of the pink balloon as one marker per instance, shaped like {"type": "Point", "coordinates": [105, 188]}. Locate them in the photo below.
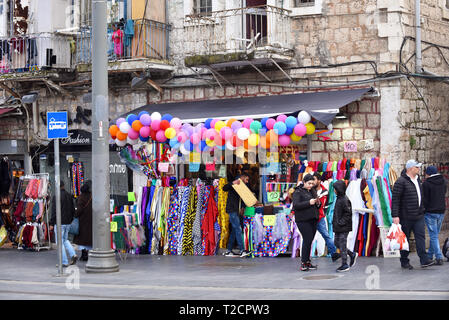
{"type": "Point", "coordinates": [281, 117]}
{"type": "Point", "coordinates": [226, 133]}
{"type": "Point", "coordinates": [195, 138]}
{"type": "Point", "coordinates": [133, 134]}
{"type": "Point", "coordinates": [213, 122]}
{"type": "Point", "coordinates": [144, 132]}
{"type": "Point", "coordinates": [270, 123]}
{"type": "Point", "coordinates": [155, 124]}
{"type": "Point", "coordinates": [182, 137]}
{"type": "Point", "coordinates": [160, 136]}
{"type": "Point", "coordinates": [175, 123]}
{"type": "Point", "coordinates": [284, 140]}
{"type": "Point", "coordinates": [247, 122]}
{"type": "Point", "coordinates": [300, 130]}
{"type": "Point", "coordinates": [210, 134]}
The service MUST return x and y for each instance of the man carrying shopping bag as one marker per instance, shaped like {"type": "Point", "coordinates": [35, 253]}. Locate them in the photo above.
{"type": "Point", "coordinates": [407, 208]}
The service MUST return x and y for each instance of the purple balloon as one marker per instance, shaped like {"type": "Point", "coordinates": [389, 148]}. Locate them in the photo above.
{"type": "Point", "coordinates": [145, 119]}
{"type": "Point", "coordinates": [119, 121]}
{"type": "Point", "coordinates": [236, 125]}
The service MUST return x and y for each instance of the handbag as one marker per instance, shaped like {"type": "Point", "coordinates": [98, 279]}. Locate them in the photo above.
{"type": "Point", "coordinates": [75, 227]}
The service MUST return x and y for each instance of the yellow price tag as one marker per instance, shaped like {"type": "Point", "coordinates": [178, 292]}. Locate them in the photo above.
{"type": "Point", "coordinates": [113, 226]}
{"type": "Point", "coordinates": [269, 220]}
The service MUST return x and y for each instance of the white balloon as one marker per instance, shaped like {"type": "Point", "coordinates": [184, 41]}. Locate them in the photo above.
{"type": "Point", "coordinates": [183, 150]}
{"type": "Point", "coordinates": [156, 116]}
{"type": "Point", "coordinates": [230, 146]}
{"type": "Point", "coordinates": [124, 127]}
{"type": "Point", "coordinates": [120, 143]}
{"type": "Point", "coordinates": [243, 134]}
{"type": "Point", "coordinates": [304, 117]}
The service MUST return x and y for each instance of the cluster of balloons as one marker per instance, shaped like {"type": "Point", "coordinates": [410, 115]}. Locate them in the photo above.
{"type": "Point", "coordinates": [214, 133]}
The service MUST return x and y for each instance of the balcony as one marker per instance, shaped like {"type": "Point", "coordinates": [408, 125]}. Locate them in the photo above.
{"type": "Point", "coordinates": [147, 46]}
{"type": "Point", "coordinates": [251, 35]}
{"type": "Point", "coordinates": [28, 55]}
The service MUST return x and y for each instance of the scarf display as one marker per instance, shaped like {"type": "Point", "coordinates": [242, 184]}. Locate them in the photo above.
{"type": "Point", "coordinates": [77, 178]}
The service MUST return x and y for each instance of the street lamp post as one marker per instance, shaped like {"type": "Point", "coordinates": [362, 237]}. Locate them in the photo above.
{"type": "Point", "coordinates": [101, 257]}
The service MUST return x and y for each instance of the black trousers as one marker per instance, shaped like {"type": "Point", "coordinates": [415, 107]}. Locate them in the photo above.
{"type": "Point", "coordinates": [340, 241]}
{"type": "Point", "coordinates": [308, 230]}
{"type": "Point", "coordinates": [418, 228]}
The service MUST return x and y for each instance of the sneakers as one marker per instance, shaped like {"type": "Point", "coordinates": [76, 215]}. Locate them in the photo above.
{"type": "Point", "coordinates": [311, 266]}
{"type": "Point", "coordinates": [428, 264]}
{"type": "Point", "coordinates": [353, 259]}
{"type": "Point", "coordinates": [439, 262]}
{"type": "Point", "coordinates": [73, 259]}
{"type": "Point", "coordinates": [336, 256]}
{"type": "Point", "coordinates": [84, 255]}
{"type": "Point", "coordinates": [343, 268]}
{"type": "Point", "coordinates": [244, 253]}
{"type": "Point", "coordinates": [304, 267]}
{"type": "Point", "coordinates": [63, 265]}
{"type": "Point", "coordinates": [407, 266]}
{"type": "Point", "coordinates": [230, 254]}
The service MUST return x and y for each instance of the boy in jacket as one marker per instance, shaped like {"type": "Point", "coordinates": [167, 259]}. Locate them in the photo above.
{"type": "Point", "coordinates": [342, 224]}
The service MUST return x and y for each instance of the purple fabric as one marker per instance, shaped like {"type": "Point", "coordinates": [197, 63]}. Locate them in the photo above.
{"type": "Point", "coordinates": [296, 237]}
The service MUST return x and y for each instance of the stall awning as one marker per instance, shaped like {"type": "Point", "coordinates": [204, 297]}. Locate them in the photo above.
{"type": "Point", "coordinates": [323, 106]}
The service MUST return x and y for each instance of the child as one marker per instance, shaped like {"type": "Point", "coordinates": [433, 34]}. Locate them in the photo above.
{"type": "Point", "coordinates": [342, 224]}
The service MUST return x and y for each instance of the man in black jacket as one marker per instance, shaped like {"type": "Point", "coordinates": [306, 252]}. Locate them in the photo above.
{"type": "Point", "coordinates": [407, 208]}
{"type": "Point", "coordinates": [434, 189]}
{"type": "Point", "coordinates": [234, 207]}
{"type": "Point", "coordinates": [67, 212]}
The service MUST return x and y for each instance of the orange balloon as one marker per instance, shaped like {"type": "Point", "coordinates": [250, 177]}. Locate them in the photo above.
{"type": "Point", "coordinates": [121, 136]}
{"type": "Point", "coordinates": [137, 125]}
{"type": "Point", "coordinates": [230, 122]}
{"type": "Point", "coordinates": [271, 137]}
{"type": "Point", "coordinates": [245, 144]}
{"type": "Point", "coordinates": [113, 130]}
{"type": "Point", "coordinates": [264, 142]}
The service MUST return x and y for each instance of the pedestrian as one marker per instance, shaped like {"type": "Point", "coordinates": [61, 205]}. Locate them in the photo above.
{"type": "Point", "coordinates": [434, 190]}
{"type": "Point", "coordinates": [84, 213]}
{"type": "Point", "coordinates": [407, 208]}
{"type": "Point", "coordinates": [306, 205]}
{"type": "Point", "coordinates": [67, 213]}
{"type": "Point", "coordinates": [234, 208]}
{"type": "Point", "coordinates": [342, 225]}
{"type": "Point", "coordinates": [322, 193]}
{"type": "Point", "coordinates": [117, 38]}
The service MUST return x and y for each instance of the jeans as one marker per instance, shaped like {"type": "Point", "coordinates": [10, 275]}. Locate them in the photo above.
{"type": "Point", "coordinates": [236, 232]}
{"type": "Point", "coordinates": [433, 222]}
{"type": "Point", "coordinates": [418, 228]}
{"type": "Point", "coordinates": [341, 240]}
{"type": "Point", "coordinates": [308, 230]}
{"type": "Point", "coordinates": [66, 245]}
{"type": "Point", "coordinates": [321, 228]}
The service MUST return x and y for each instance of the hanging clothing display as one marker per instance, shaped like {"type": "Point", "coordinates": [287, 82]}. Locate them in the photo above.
{"type": "Point", "coordinates": [77, 178]}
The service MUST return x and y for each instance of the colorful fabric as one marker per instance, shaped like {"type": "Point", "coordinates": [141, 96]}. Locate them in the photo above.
{"type": "Point", "coordinates": [223, 217]}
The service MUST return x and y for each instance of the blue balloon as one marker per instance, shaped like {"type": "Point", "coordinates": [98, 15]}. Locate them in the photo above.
{"type": "Point", "coordinates": [143, 139]}
{"type": "Point", "coordinates": [264, 122]}
{"type": "Point", "coordinates": [131, 118]}
{"type": "Point", "coordinates": [291, 122]}
{"type": "Point", "coordinates": [167, 117]}
{"type": "Point", "coordinates": [207, 123]}
{"type": "Point", "coordinates": [203, 145]}
{"type": "Point", "coordinates": [289, 131]}
{"type": "Point", "coordinates": [280, 128]}
{"type": "Point", "coordinates": [263, 132]}
{"type": "Point", "coordinates": [188, 145]}
{"type": "Point", "coordinates": [174, 143]}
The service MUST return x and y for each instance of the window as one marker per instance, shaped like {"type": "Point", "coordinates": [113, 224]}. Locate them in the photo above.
{"type": "Point", "coordinates": [447, 4]}
{"type": "Point", "coordinates": [304, 3]}
{"type": "Point", "coordinates": [202, 7]}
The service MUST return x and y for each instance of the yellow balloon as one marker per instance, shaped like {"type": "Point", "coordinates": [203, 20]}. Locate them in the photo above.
{"type": "Point", "coordinates": [310, 128]}
{"type": "Point", "coordinates": [219, 124]}
{"type": "Point", "coordinates": [253, 139]}
{"type": "Point", "coordinates": [170, 133]}
{"type": "Point", "coordinates": [295, 138]}
{"type": "Point", "coordinates": [210, 143]}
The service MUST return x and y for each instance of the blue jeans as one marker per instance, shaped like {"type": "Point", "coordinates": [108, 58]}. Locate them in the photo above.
{"type": "Point", "coordinates": [236, 232]}
{"type": "Point", "coordinates": [66, 245]}
{"type": "Point", "coordinates": [433, 222]}
{"type": "Point", "coordinates": [321, 228]}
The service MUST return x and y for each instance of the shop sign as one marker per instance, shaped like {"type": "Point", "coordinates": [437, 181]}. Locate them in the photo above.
{"type": "Point", "coordinates": [269, 220]}
{"type": "Point", "coordinates": [77, 138]}
{"type": "Point", "coordinates": [117, 168]}
{"type": "Point", "coordinates": [350, 146]}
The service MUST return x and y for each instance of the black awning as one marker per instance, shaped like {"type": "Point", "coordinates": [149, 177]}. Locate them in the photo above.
{"type": "Point", "coordinates": [323, 106]}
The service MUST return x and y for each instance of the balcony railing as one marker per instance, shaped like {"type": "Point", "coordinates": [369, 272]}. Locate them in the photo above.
{"type": "Point", "coordinates": [34, 52]}
{"type": "Point", "coordinates": [149, 40]}
{"type": "Point", "coordinates": [238, 30]}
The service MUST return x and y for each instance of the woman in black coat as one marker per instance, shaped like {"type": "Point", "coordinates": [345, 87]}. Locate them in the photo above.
{"type": "Point", "coordinates": [84, 213]}
{"type": "Point", "coordinates": [305, 205]}
{"type": "Point", "coordinates": [342, 225]}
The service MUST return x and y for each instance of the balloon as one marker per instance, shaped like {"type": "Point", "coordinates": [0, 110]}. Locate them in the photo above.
{"type": "Point", "coordinates": [210, 143]}
{"type": "Point", "coordinates": [131, 118]}
{"type": "Point", "coordinates": [176, 123]}
{"type": "Point", "coordinates": [235, 141]}
{"type": "Point", "coordinates": [220, 142]}
{"type": "Point", "coordinates": [132, 141]}
{"type": "Point", "coordinates": [188, 129]}
{"type": "Point", "coordinates": [270, 123]}
{"type": "Point", "coordinates": [182, 137]}
{"type": "Point", "coordinates": [113, 130]}
{"type": "Point", "coordinates": [226, 133]}
{"type": "Point", "coordinates": [243, 134]}
{"type": "Point", "coordinates": [167, 117]}
{"type": "Point", "coordinates": [170, 133]}
{"type": "Point", "coordinates": [155, 124]}
{"type": "Point", "coordinates": [295, 138]}
{"type": "Point", "coordinates": [263, 132]}
{"type": "Point", "coordinates": [144, 132]}
{"type": "Point", "coordinates": [310, 128]}
{"type": "Point", "coordinates": [263, 122]}
{"type": "Point", "coordinates": [213, 122]}
{"type": "Point", "coordinates": [284, 140]}
{"type": "Point", "coordinates": [247, 123]}
{"type": "Point", "coordinates": [255, 126]}
{"type": "Point", "coordinates": [144, 139]}
{"type": "Point", "coordinates": [195, 138]}
{"type": "Point", "coordinates": [236, 125]}
{"type": "Point", "coordinates": [141, 113]}
{"type": "Point", "coordinates": [145, 119]}
{"type": "Point", "coordinates": [160, 136]}
{"type": "Point", "coordinates": [280, 128]}
{"type": "Point", "coordinates": [121, 136]}
{"type": "Point", "coordinates": [133, 134]}
{"type": "Point", "coordinates": [289, 131]}
{"type": "Point", "coordinates": [304, 117]}
{"type": "Point", "coordinates": [281, 118]}
{"type": "Point", "coordinates": [137, 125]}
{"type": "Point", "coordinates": [230, 122]}
{"type": "Point", "coordinates": [183, 150]}
{"type": "Point", "coordinates": [188, 146]}
{"type": "Point", "coordinates": [207, 123]}
{"type": "Point", "coordinates": [164, 125]}
{"type": "Point", "coordinates": [229, 146]}
{"type": "Point", "coordinates": [174, 143]}
{"type": "Point", "coordinates": [291, 122]}
{"type": "Point", "coordinates": [202, 145]}
{"type": "Point", "coordinates": [119, 121]}
{"type": "Point", "coordinates": [124, 127]}
{"type": "Point", "coordinates": [300, 129]}
{"type": "Point", "coordinates": [210, 134]}
{"type": "Point", "coordinates": [219, 124]}
{"type": "Point", "coordinates": [156, 116]}
{"type": "Point", "coordinates": [120, 143]}
{"type": "Point", "coordinates": [153, 134]}
{"type": "Point", "coordinates": [272, 137]}
{"type": "Point", "coordinates": [264, 142]}
{"type": "Point", "coordinates": [253, 140]}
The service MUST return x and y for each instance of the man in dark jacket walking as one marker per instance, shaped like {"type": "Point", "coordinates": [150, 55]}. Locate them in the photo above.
{"type": "Point", "coordinates": [434, 189]}
{"type": "Point", "coordinates": [67, 212]}
{"type": "Point", "coordinates": [407, 208]}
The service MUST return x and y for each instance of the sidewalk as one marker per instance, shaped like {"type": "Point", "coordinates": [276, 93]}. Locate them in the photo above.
{"type": "Point", "coordinates": [33, 275]}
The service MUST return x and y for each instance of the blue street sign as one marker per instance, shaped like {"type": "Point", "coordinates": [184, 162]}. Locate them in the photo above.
{"type": "Point", "coordinates": [57, 125]}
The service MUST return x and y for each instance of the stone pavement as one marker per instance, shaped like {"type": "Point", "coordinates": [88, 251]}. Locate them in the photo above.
{"type": "Point", "coordinates": [33, 275]}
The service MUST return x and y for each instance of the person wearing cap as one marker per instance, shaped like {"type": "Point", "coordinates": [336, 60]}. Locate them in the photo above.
{"type": "Point", "coordinates": [434, 190]}
{"type": "Point", "coordinates": [407, 208]}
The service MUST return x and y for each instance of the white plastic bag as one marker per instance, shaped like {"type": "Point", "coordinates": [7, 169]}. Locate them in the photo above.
{"type": "Point", "coordinates": [396, 239]}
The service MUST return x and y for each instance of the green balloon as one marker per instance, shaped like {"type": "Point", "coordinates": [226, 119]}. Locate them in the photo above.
{"type": "Point", "coordinates": [255, 126]}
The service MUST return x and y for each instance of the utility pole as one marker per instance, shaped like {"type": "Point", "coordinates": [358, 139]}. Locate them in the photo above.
{"type": "Point", "coordinates": [101, 257]}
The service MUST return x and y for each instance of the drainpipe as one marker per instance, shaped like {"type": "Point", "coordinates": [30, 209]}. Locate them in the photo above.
{"type": "Point", "coordinates": [418, 66]}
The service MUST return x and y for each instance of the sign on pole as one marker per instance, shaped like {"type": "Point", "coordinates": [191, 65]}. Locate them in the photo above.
{"type": "Point", "coordinates": [57, 125]}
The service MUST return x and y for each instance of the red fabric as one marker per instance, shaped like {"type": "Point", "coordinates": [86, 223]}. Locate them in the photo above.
{"type": "Point", "coordinates": [207, 227]}
{"type": "Point", "coordinates": [4, 110]}
{"type": "Point", "coordinates": [323, 201]}
{"type": "Point", "coordinates": [27, 234]}
{"type": "Point", "coordinates": [19, 210]}
{"type": "Point", "coordinates": [360, 235]}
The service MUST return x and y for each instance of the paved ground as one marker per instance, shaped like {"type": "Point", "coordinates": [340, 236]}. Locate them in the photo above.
{"type": "Point", "coordinates": [33, 275]}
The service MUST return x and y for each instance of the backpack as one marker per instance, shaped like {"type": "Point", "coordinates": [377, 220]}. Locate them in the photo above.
{"type": "Point", "coordinates": [446, 248]}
